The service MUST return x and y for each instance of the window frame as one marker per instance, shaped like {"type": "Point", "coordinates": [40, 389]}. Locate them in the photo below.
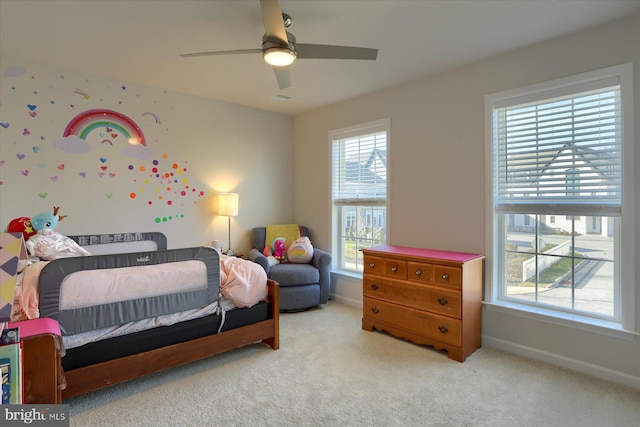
{"type": "Point", "coordinates": [382, 125]}
{"type": "Point", "coordinates": [625, 259]}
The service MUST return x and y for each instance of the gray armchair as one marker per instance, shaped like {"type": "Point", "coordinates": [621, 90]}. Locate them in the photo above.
{"type": "Point", "coordinates": [301, 285]}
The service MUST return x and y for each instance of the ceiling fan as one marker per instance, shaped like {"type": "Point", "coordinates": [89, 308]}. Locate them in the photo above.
{"type": "Point", "coordinates": [280, 49]}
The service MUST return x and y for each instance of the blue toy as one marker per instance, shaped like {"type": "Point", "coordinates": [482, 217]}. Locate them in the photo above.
{"type": "Point", "coordinates": [46, 220]}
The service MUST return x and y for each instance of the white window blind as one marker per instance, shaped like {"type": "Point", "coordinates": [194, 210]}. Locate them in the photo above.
{"type": "Point", "coordinates": [560, 154]}
{"type": "Point", "coordinates": [360, 170]}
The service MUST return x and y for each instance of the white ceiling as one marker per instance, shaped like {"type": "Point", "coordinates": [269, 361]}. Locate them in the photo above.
{"type": "Point", "coordinates": [139, 41]}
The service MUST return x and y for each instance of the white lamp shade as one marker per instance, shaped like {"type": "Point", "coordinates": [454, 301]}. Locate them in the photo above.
{"type": "Point", "coordinates": [228, 204]}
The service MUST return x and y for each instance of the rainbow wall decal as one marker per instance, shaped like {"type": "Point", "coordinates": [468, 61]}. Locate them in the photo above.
{"type": "Point", "coordinates": [86, 122]}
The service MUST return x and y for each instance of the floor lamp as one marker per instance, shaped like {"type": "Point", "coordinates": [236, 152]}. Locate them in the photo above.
{"type": "Point", "coordinates": [228, 206]}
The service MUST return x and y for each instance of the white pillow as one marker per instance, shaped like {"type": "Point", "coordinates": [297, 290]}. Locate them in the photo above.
{"type": "Point", "coordinates": [48, 245]}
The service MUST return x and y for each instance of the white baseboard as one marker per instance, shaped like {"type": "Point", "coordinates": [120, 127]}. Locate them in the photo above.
{"type": "Point", "coordinates": [347, 301]}
{"type": "Point", "coordinates": [563, 361]}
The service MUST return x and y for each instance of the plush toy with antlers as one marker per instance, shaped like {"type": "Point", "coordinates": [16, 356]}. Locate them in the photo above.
{"type": "Point", "coordinates": [47, 243]}
{"type": "Point", "coordinates": [46, 220]}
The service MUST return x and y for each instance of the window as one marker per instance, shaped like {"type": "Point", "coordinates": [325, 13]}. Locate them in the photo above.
{"type": "Point", "coordinates": [557, 166]}
{"type": "Point", "coordinates": [359, 190]}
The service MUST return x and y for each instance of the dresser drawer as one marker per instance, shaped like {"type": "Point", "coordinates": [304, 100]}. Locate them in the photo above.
{"type": "Point", "coordinates": [420, 272]}
{"type": "Point", "coordinates": [437, 300]}
{"type": "Point", "coordinates": [395, 268]}
{"type": "Point", "coordinates": [451, 277]}
{"type": "Point", "coordinates": [385, 267]}
{"type": "Point", "coordinates": [440, 328]}
{"type": "Point", "coordinates": [373, 265]}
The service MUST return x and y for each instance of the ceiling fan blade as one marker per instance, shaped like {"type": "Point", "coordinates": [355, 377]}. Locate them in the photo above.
{"type": "Point", "coordinates": [221, 52]}
{"type": "Point", "coordinates": [324, 51]}
{"type": "Point", "coordinates": [283, 75]}
{"type": "Point", "coordinates": [273, 23]}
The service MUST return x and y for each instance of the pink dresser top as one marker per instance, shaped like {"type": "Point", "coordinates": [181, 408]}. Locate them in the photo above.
{"type": "Point", "coordinates": [40, 326]}
{"type": "Point", "coordinates": [424, 253]}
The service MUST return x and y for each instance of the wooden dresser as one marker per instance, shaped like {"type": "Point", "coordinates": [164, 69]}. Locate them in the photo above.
{"type": "Point", "coordinates": [42, 352]}
{"type": "Point", "coordinates": [43, 375]}
{"type": "Point", "coordinates": [426, 296]}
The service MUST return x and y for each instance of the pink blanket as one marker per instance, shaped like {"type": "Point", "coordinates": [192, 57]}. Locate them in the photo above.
{"type": "Point", "coordinates": [243, 282]}
{"type": "Point", "coordinates": [26, 299]}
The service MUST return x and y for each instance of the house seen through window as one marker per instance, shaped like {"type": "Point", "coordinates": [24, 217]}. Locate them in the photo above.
{"type": "Point", "coordinates": [359, 191]}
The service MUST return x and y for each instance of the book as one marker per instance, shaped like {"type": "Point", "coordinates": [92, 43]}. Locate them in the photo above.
{"type": "Point", "coordinates": [9, 336]}
{"type": "Point", "coordinates": [5, 366]}
{"type": "Point", "coordinates": [13, 352]}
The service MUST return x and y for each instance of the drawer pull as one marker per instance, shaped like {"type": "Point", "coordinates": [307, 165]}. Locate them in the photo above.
{"type": "Point", "coordinates": [445, 276]}
{"type": "Point", "coordinates": [394, 269]}
{"type": "Point", "coordinates": [418, 272]}
{"type": "Point", "coordinates": [374, 286]}
{"type": "Point", "coordinates": [375, 310]}
{"type": "Point", "coordinates": [372, 264]}
{"type": "Point", "coordinates": [442, 301]}
{"type": "Point", "coordinates": [443, 329]}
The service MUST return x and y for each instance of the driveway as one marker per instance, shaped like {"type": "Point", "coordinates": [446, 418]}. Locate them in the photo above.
{"type": "Point", "coordinates": [593, 280]}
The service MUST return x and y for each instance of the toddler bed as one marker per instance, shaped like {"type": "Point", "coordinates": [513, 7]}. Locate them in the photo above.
{"type": "Point", "coordinates": [146, 308]}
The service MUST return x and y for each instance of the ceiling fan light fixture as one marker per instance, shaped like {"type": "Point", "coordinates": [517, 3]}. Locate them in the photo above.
{"type": "Point", "coordinates": [279, 56]}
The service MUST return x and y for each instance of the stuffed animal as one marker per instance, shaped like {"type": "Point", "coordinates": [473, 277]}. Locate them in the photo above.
{"type": "Point", "coordinates": [47, 220]}
{"type": "Point", "coordinates": [300, 251]}
{"type": "Point", "coordinates": [267, 251]}
{"type": "Point", "coordinates": [279, 249]}
{"type": "Point", "coordinates": [21, 225]}
{"type": "Point", "coordinates": [48, 244]}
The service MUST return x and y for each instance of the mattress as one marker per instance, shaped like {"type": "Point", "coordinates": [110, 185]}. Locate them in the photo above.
{"type": "Point", "coordinates": [133, 343]}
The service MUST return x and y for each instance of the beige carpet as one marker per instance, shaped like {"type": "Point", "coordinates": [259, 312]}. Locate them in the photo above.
{"type": "Point", "coordinates": [329, 372]}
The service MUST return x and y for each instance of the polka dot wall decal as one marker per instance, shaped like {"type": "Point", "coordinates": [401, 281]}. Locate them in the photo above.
{"type": "Point", "coordinates": [159, 176]}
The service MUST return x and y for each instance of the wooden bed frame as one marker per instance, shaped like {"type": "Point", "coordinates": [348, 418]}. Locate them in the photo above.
{"type": "Point", "coordinates": [104, 374]}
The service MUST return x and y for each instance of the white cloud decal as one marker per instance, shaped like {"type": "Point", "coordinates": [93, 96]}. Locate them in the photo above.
{"type": "Point", "coordinates": [72, 144]}
{"type": "Point", "coordinates": [138, 151]}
